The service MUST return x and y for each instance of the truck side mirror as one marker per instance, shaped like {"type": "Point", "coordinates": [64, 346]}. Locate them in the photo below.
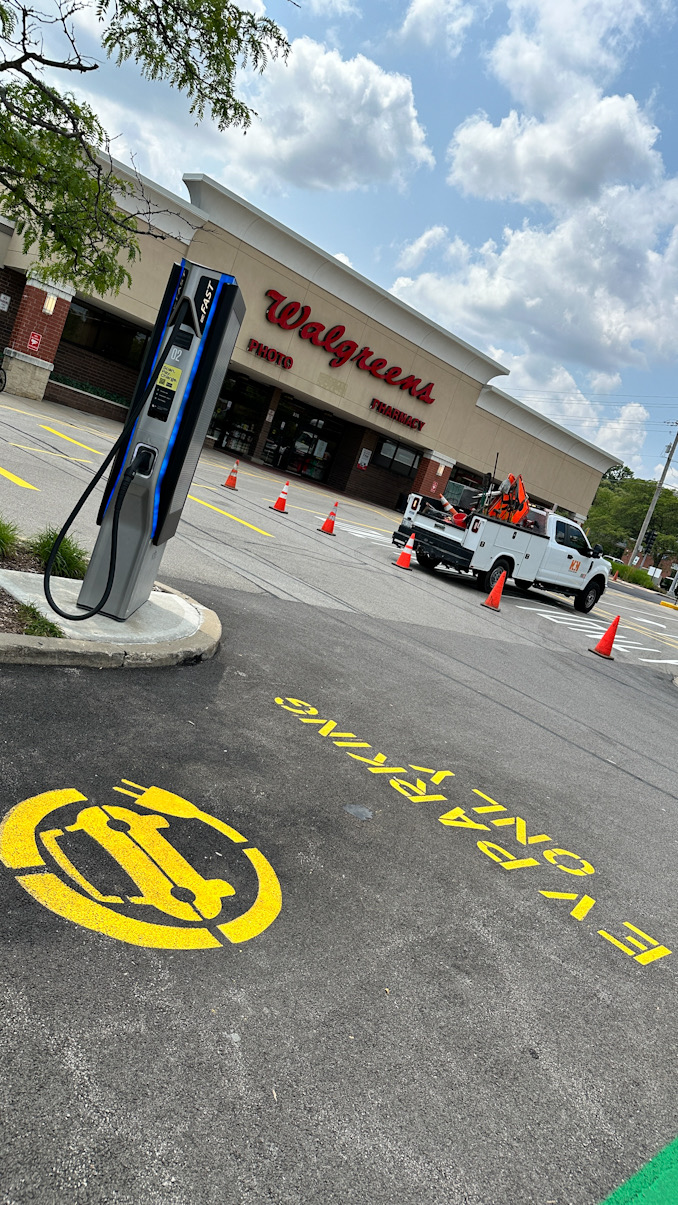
{"type": "Point", "coordinates": [597, 549]}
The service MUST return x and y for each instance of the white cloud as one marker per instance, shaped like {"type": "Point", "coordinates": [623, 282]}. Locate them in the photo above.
{"type": "Point", "coordinates": [625, 434]}
{"type": "Point", "coordinates": [436, 21]}
{"type": "Point", "coordinates": [590, 142]}
{"type": "Point", "coordinates": [413, 253]}
{"type": "Point", "coordinates": [594, 286]}
{"type": "Point", "coordinates": [343, 259]}
{"type": "Point", "coordinates": [552, 390]}
{"type": "Point", "coordinates": [323, 123]}
{"type": "Point", "coordinates": [604, 382]}
{"type": "Point", "coordinates": [598, 288]}
{"type": "Point", "coordinates": [552, 46]}
{"type": "Point", "coordinates": [328, 123]}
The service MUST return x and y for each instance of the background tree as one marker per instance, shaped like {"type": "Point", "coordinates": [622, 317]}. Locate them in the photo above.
{"type": "Point", "coordinates": [664, 546]}
{"type": "Point", "coordinates": [618, 474]}
{"type": "Point", "coordinates": [619, 507]}
{"type": "Point", "coordinates": [57, 182]}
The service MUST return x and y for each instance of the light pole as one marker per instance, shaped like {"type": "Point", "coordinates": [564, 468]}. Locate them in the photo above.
{"type": "Point", "coordinates": [655, 498]}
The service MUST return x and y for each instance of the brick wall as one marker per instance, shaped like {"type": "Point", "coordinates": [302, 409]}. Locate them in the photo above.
{"type": "Point", "coordinates": [12, 283]}
{"type": "Point", "coordinates": [375, 484]}
{"type": "Point", "coordinates": [31, 319]}
{"type": "Point", "coordinates": [89, 368]}
{"type": "Point", "coordinates": [427, 480]}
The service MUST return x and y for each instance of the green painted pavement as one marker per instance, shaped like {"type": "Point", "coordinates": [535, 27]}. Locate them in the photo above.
{"type": "Point", "coordinates": [654, 1184]}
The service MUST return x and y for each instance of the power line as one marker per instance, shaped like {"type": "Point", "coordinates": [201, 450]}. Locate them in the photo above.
{"type": "Point", "coordinates": [567, 392]}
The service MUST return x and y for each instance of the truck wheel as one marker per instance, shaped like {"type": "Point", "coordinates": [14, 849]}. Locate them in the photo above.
{"type": "Point", "coordinates": [586, 599]}
{"type": "Point", "coordinates": [489, 580]}
{"type": "Point", "coordinates": [522, 585]}
{"type": "Point", "coordinates": [427, 562]}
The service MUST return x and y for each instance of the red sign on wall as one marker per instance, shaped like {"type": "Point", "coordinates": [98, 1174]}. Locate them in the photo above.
{"type": "Point", "coordinates": [399, 415]}
{"type": "Point", "coordinates": [269, 353]}
{"type": "Point", "coordinates": [34, 341]}
{"type": "Point", "coordinates": [293, 316]}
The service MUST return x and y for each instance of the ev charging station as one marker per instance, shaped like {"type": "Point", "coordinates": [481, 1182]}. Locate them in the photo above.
{"type": "Point", "coordinates": [157, 453]}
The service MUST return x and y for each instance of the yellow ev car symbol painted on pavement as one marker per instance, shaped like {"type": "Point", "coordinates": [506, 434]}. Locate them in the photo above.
{"type": "Point", "coordinates": [137, 839]}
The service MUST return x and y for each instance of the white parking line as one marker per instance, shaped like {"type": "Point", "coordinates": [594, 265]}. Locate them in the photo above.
{"type": "Point", "coordinates": [595, 628]}
{"type": "Point", "coordinates": [642, 619]}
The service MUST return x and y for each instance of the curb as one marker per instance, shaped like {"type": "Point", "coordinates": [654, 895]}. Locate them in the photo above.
{"type": "Point", "coordinates": [49, 650]}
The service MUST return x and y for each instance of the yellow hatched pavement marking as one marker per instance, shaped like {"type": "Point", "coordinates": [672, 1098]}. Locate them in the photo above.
{"type": "Point", "coordinates": [71, 441]}
{"type": "Point", "coordinates": [18, 480]}
{"type": "Point", "coordinates": [230, 516]}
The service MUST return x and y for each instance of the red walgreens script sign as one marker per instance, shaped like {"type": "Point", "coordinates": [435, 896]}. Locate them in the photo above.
{"type": "Point", "coordinates": [34, 341]}
{"type": "Point", "coordinates": [294, 316]}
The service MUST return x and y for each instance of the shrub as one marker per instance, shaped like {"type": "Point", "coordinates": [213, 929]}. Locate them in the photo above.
{"type": "Point", "coordinates": [9, 538]}
{"type": "Point", "coordinates": [71, 559]}
{"type": "Point", "coordinates": [629, 573]}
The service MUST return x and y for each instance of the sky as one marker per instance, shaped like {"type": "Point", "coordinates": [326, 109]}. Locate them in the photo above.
{"type": "Point", "coordinates": [508, 169]}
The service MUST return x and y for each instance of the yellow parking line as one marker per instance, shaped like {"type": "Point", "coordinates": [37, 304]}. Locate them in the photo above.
{"type": "Point", "coordinates": [71, 441]}
{"type": "Point", "coordinates": [296, 484]}
{"type": "Point", "coordinates": [18, 480]}
{"type": "Point", "coordinates": [15, 410]}
{"type": "Point", "coordinates": [660, 636]}
{"type": "Point", "coordinates": [47, 452]}
{"type": "Point", "coordinates": [353, 522]}
{"type": "Point", "coordinates": [229, 516]}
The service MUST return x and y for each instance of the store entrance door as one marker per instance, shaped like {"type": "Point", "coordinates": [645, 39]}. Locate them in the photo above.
{"type": "Point", "coordinates": [302, 440]}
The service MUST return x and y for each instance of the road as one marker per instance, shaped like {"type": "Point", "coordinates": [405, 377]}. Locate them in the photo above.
{"type": "Point", "coordinates": [358, 977]}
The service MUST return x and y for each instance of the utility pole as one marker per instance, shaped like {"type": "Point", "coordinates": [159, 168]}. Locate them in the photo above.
{"type": "Point", "coordinates": [655, 498]}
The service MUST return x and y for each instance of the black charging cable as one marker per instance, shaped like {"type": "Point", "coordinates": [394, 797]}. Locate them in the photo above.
{"type": "Point", "coordinates": [139, 463]}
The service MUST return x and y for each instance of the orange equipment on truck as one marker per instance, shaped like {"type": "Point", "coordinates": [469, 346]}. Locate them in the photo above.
{"type": "Point", "coordinates": [512, 504]}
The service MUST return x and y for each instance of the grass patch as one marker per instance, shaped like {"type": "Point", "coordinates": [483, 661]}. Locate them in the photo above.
{"type": "Point", "coordinates": [9, 538]}
{"type": "Point", "coordinates": [71, 560]}
{"type": "Point", "coordinates": [35, 624]}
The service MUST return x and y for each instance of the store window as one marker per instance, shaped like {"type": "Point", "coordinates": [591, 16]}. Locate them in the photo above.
{"type": "Point", "coordinates": [397, 458]}
{"type": "Point", "coordinates": [239, 413]}
{"type": "Point", "coordinates": [302, 439]}
{"type": "Point", "coordinates": [100, 332]}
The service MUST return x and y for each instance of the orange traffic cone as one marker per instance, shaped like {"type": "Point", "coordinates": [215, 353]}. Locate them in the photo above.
{"type": "Point", "coordinates": [615, 575]}
{"type": "Point", "coordinates": [328, 525]}
{"type": "Point", "coordinates": [280, 501]}
{"type": "Point", "coordinates": [604, 645]}
{"type": "Point", "coordinates": [493, 598]}
{"type": "Point", "coordinates": [405, 557]}
{"type": "Point", "coordinates": [229, 483]}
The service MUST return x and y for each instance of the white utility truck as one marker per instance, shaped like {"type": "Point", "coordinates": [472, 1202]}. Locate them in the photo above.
{"type": "Point", "coordinates": [543, 550]}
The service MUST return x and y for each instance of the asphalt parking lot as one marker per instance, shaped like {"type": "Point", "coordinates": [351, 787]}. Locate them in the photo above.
{"type": "Point", "coordinates": [308, 968]}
